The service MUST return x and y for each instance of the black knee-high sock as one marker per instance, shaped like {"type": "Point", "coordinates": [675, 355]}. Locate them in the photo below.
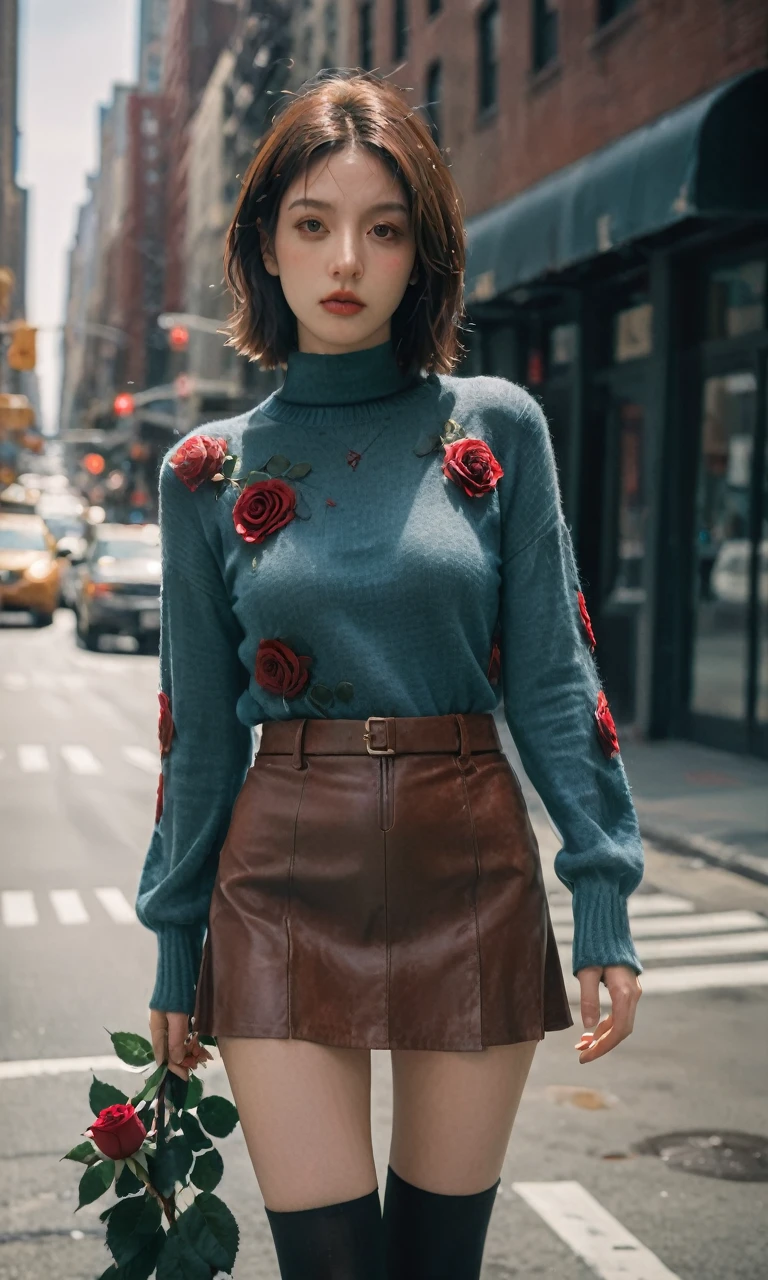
{"type": "Point", "coordinates": [340, 1241]}
{"type": "Point", "coordinates": [428, 1236]}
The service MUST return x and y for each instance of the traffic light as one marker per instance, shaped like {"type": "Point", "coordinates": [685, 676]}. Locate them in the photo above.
{"type": "Point", "coordinates": [22, 353]}
{"type": "Point", "coordinates": [124, 404]}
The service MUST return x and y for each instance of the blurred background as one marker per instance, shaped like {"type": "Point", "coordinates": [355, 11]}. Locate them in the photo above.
{"type": "Point", "coordinates": [611, 155]}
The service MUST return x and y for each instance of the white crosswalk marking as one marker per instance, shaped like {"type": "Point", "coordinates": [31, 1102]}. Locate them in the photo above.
{"type": "Point", "coordinates": [81, 760]}
{"type": "Point", "coordinates": [142, 758]}
{"type": "Point", "coordinates": [18, 908]}
{"type": "Point", "coordinates": [33, 759]}
{"type": "Point", "coordinates": [69, 906]}
{"type": "Point", "coordinates": [116, 905]}
{"type": "Point", "coordinates": [611, 1251]}
{"type": "Point", "coordinates": [703, 977]}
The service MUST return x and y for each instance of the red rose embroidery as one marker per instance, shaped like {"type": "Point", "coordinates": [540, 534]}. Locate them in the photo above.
{"type": "Point", "coordinates": [279, 670]}
{"type": "Point", "coordinates": [164, 724]}
{"type": "Point", "coordinates": [117, 1131]}
{"type": "Point", "coordinates": [198, 459]}
{"type": "Point", "coordinates": [472, 466]}
{"type": "Point", "coordinates": [263, 508]}
{"type": "Point", "coordinates": [494, 666]}
{"type": "Point", "coordinates": [586, 620]}
{"type": "Point", "coordinates": [159, 800]}
{"type": "Point", "coordinates": [606, 729]}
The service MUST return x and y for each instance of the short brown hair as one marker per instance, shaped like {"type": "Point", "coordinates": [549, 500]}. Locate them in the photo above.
{"type": "Point", "coordinates": [330, 112]}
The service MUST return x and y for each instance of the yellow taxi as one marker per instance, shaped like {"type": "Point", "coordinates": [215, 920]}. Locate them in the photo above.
{"type": "Point", "coordinates": [29, 566]}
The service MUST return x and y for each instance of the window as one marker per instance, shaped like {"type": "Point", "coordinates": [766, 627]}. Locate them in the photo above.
{"type": "Point", "coordinates": [545, 20]}
{"type": "Point", "coordinates": [488, 47]}
{"type": "Point", "coordinates": [607, 9]}
{"type": "Point", "coordinates": [434, 98]}
{"type": "Point", "coordinates": [736, 296]}
{"type": "Point", "coordinates": [400, 33]}
{"type": "Point", "coordinates": [365, 35]}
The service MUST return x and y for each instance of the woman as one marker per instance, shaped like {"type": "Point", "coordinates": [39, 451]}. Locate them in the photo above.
{"type": "Point", "coordinates": [391, 542]}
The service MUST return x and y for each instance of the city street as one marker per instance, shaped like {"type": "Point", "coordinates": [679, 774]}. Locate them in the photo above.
{"type": "Point", "coordinates": [78, 774]}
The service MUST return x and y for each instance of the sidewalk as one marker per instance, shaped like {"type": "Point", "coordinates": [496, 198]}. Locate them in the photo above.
{"type": "Point", "coordinates": [691, 799]}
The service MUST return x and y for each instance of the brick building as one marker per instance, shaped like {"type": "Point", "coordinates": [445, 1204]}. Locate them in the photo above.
{"type": "Point", "coordinates": [611, 156]}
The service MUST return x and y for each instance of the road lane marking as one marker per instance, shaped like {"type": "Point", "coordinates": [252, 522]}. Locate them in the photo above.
{"type": "Point", "coordinates": [26, 1068]}
{"type": "Point", "coordinates": [591, 1232]}
{"type": "Point", "coordinates": [69, 906]}
{"type": "Point", "coordinates": [702, 922]}
{"type": "Point", "coordinates": [33, 758]}
{"type": "Point", "coordinates": [117, 906]}
{"type": "Point", "coordinates": [81, 760]}
{"type": "Point", "coordinates": [647, 904]}
{"type": "Point", "coordinates": [142, 758]}
{"type": "Point", "coordinates": [18, 908]}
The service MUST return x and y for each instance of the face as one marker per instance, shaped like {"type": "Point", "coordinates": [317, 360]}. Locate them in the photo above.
{"type": "Point", "coordinates": [345, 226]}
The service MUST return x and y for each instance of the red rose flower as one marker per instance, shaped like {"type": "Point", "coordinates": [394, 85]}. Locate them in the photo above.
{"type": "Point", "coordinates": [117, 1131]}
{"type": "Point", "coordinates": [280, 670]}
{"type": "Point", "coordinates": [586, 620]}
{"type": "Point", "coordinates": [606, 729]}
{"type": "Point", "coordinates": [263, 508]}
{"type": "Point", "coordinates": [198, 459]}
{"type": "Point", "coordinates": [470, 464]}
{"type": "Point", "coordinates": [159, 801]}
{"type": "Point", "coordinates": [165, 724]}
{"type": "Point", "coordinates": [494, 666]}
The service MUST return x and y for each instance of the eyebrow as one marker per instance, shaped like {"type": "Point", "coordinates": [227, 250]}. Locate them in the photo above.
{"type": "Point", "coordinates": [387, 206]}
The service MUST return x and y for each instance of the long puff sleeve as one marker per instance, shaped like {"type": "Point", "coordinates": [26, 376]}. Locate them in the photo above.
{"type": "Point", "coordinates": [206, 750]}
{"type": "Point", "coordinates": [550, 686]}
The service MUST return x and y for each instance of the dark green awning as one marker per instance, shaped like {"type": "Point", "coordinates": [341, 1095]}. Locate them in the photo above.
{"type": "Point", "coordinates": [706, 158]}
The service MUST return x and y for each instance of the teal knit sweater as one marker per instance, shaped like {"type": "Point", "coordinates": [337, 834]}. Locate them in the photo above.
{"type": "Point", "coordinates": [404, 593]}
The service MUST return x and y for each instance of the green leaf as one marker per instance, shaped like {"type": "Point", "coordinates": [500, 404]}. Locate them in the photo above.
{"type": "Point", "coordinates": [151, 1086]}
{"type": "Point", "coordinates": [322, 694]}
{"type": "Point", "coordinates": [426, 444]}
{"type": "Point", "coordinates": [143, 1265]}
{"type": "Point", "coordinates": [180, 1261]}
{"type": "Point", "coordinates": [210, 1228]}
{"type": "Point", "coordinates": [302, 509]}
{"type": "Point", "coordinates": [252, 478]}
{"type": "Point", "coordinates": [277, 464]}
{"type": "Point", "coordinates": [218, 485]}
{"type": "Point", "coordinates": [345, 691]}
{"type": "Point", "coordinates": [195, 1091]}
{"type": "Point", "coordinates": [193, 1133]}
{"type": "Point", "coordinates": [131, 1226]}
{"type": "Point", "coordinates": [207, 1171]}
{"type": "Point", "coordinates": [103, 1095]}
{"type": "Point", "coordinates": [103, 1216]}
{"type": "Point", "coordinates": [95, 1182]}
{"type": "Point", "coordinates": [109, 1274]}
{"type": "Point", "coordinates": [176, 1090]}
{"type": "Point", "coordinates": [228, 465]}
{"type": "Point", "coordinates": [171, 1165]}
{"type": "Point", "coordinates": [84, 1153]}
{"type": "Point", "coordinates": [298, 471]}
{"type": "Point", "coordinates": [127, 1184]}
{"type": "Point", "coordinates": [133, 1049]}
{"type": "Point", "coordinates": [217, 1115]}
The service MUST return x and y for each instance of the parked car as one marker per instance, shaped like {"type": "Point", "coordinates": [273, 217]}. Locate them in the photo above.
{"type": "Point", "coordinates": [118, 592]}
{"type": "Point", "coordinates": [29, 566]}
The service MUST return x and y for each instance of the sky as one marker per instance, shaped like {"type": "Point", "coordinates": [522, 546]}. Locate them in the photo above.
{"type": "Point", "coordinates": [70, 56]}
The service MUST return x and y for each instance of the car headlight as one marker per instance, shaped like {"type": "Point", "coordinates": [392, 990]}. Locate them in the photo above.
{"type": "Point", "coordinates": [38, 570]}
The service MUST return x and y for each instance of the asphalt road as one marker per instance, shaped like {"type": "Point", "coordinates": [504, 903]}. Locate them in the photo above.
{"type": "Point", "coordinates": [78, 772]}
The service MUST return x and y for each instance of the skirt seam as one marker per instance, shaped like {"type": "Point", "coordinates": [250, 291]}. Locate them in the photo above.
{"type": "Point", "coordinates": [474, 895]}
{"type": "Point", "coordinates": [288, 905]}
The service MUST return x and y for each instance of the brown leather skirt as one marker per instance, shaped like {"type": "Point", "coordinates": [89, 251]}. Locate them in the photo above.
{"type": "Point", "coordinates": [381, 893]}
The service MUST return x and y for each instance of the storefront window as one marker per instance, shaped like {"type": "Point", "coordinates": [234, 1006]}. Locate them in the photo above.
{"type": "Point", "coordinates": [632, 335]}
{"type": "Point", "coordinates": [627, 586]}
{"type": "Point", "coordinates": [563, 345]}
{"type": "Point", "coordinates": [736, 299]}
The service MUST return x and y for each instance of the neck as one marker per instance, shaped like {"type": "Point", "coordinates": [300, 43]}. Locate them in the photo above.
{"type": "Point", "coordinates": [353, 377]}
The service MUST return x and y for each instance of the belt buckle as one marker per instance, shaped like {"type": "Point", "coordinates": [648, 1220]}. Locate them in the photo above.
{"type": "Point", "coordinates": [375, 751]}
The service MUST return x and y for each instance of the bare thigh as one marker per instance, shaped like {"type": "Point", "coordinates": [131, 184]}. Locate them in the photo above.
{"type": "Point", "coordinates": [453, 1114]}
{"type": "Point", "coordinates": [305, 1109]}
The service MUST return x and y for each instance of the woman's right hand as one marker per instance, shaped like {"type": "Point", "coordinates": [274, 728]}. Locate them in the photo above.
{"type": "Point", "coordinates": [172, 1043]}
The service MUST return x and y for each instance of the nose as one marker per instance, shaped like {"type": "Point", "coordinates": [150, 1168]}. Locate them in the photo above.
{"type": "Point", "coordinates": [346, 259]}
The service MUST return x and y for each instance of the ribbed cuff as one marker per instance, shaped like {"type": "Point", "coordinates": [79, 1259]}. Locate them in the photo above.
{"type": "Point", "coordinates": [601, 933]}
{"type": "Point", "coordinates": [179, 951]}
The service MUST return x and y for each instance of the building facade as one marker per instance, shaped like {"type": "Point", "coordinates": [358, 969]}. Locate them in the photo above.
{"type": "Point", "coordinates": [13, 198]}
{"type": "Point", "coordinates": [611, 158]}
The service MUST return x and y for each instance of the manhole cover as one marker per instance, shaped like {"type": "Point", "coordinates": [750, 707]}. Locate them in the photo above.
{"type": "Point", "coordinates": [739, 1157]}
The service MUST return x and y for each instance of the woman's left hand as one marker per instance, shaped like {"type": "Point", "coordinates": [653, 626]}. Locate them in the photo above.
{"type": "Point", "coordinates": [624, 989]}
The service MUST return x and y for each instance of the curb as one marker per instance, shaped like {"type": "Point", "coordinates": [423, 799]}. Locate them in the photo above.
{"type": "Point", "coordinates": [731, 857]}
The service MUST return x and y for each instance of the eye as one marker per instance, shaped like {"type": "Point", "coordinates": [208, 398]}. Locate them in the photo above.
{"type": "Point", "coordinates": [387, 227]}
{"type": "Point", "coordinates": [306, 220]}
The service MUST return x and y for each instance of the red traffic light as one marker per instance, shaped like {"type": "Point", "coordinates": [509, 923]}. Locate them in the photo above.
{"type": "Point", "coordinates": [178, 338]}
{"type": "Point", "coordinates": [93, 463]}
{"type": "Point", "coordinates": [123, 404]}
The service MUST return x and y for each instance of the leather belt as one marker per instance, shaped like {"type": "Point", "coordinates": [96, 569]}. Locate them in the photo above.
{"type": "Point", "coordinates": [382, 735]}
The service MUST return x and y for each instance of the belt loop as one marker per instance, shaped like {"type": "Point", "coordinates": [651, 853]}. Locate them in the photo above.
{"type": "Point", "coordinates": [297, 759]}
{"type": "Point", "coordinates": [466, 763]}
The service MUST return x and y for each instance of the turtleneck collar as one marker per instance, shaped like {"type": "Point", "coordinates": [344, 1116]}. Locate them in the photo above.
{"type": "Point", "coordinates": [354, 377]}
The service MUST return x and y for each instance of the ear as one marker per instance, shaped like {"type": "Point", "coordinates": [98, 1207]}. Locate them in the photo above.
{"type": "Point", "coordinates": [268, 257]}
